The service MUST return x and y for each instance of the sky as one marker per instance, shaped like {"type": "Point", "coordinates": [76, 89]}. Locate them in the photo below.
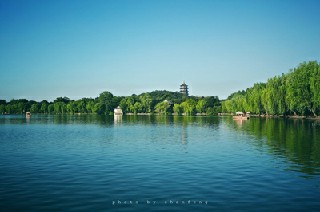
{"type": "Point", "coordinates": [80, 48]}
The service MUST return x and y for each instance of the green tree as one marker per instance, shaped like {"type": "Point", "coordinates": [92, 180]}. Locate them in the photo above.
{"type": "Point", "coordinates": [177, 109]}
{"type": "Point", "coordinates": [106, 104]}
{"type": "Point", "coordinates": [90, 105]}
{"type": "Point", "coordinates": [298, 90]}
{"type": "Point", "coordinates": [162, 107]}
{"type": "Point", "coordinates": [2, 108]}
{"type": "Point", "coordinates": [99, 108]}
{"type": "Point", "coordinates": [71, 107]}
{"type": "Point", "coordinates": [254, 98]}
{"type": "Point", "coordinates": [50, 108]}
{"type": "Point", "coordinates": [34, 108]}
{"type": "Point", "coordinates": [189, 106]}
{"type": "Point", "coordinates": [137, 107]}
{"type": "Point", "coordinates": [315, 88]}
{"type": "Point", "coordinates": [146, 102]}
{"type": "Point", "coordinates": [214, 110]}
{"type": "Point", "coordinates": [227, 106]}
{"type": "Point", "coordinates": [65, 100]}
{"type": "Point", "coordinates": [201, 106]}
{"type": "Point", "coordinates": [44, 106]}
{"type": "Point", "coordinates": [130, 104]}
{"type": "Point", "coordinates": [60, 107]}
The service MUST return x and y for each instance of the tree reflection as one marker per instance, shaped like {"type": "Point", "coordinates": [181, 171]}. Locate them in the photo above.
{"type": "Point", "coordinates": [296, 139]}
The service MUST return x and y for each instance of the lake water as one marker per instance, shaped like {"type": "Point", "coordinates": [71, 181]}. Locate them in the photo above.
{"type": "Point", "coordinates": [153, 163]}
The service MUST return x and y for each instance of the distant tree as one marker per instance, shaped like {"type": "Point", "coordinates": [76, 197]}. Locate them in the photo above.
{"type": "Point", "coordinates": [177, 109]}
{"type": "Point", "coordinates": [99, 108]}
{"type": "Point", "coordinates": [315, 88]}
{"type": "Point", "coordinates": [60, 108]}
{"type": "Point", "coordinates": [51, 108]}
{"type": "Point", "coordinates": [106, 104]}
{"type": "Point", "coordinates": [298, 90]}
{"type": "Point", "coordinates": [71, 107]}
{"type": "Point", "coordinates": [44, 106]}
{"type": "Point", "coordinates": [89, 105]}
{"type": "Point", "coordinates": [201, 106]}
{"type": "Point", "coordinates": [211, 111]}
{"type": "Point", "coordinates": [2, 108]}
{"type": "Point", "coordinates": [34, 108]}
{"type": "Point", "coordinates": [162, 107]}
{"type": "Point", "coordinates": [137, 107]}
{"type": "Point", "coordinates": [65, 100]}
{"type": "Point", "coordinates": [189, 106]}
{"type": "Point", "coordinates": [146, 102]}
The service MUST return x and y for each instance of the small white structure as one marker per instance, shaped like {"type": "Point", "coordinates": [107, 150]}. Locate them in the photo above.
{"type": "Point", "coordinates": [118, 111]}
{"type": "Point", "coordinates": [28, 114]}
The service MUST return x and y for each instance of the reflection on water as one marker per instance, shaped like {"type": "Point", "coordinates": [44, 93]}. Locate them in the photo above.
{"type": "Point", "coordinates": [84, 162]}
{"type": "Point", "coordinates": [117, 119]}
{"type": "Point", "coordinates": [297, 140]}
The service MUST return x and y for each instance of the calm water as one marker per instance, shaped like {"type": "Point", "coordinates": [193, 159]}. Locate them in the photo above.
{"type": "Point", "coordinates": [98, 163]}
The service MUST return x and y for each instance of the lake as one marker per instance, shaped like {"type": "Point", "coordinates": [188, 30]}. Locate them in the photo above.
{"type": "Point", "coordinates": [157, 163]}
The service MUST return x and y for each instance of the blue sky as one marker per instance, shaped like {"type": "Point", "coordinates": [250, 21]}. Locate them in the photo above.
{"type": "Point", "coordinates": [79, 48]}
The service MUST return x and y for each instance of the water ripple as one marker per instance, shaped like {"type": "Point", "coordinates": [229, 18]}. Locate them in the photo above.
{"type": "Point", "coordinates": [74, 164]}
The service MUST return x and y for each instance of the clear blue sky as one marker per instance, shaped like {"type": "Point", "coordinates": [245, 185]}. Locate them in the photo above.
{"type": "Point", "coordinates": [80, 48]}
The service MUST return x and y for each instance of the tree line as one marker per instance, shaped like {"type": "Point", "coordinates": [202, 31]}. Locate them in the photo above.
{"type": "Point", "coordinates": [162, 102]}
{"type": "Point", "coordinates": [294, 93]}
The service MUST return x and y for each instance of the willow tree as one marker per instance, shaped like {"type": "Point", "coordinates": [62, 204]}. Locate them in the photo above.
{"type": "Point", "coordinates": [201, 106]}
{"type": "Point", "coordinates": [315, 88]}
{"type": "Point", "coordinates": [162, 107]}
{"type": "Point", "coordinates": [298, 89]}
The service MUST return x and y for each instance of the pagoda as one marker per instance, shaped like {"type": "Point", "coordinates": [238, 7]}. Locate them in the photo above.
{"type": "Point", "coordinates": [184, 89]}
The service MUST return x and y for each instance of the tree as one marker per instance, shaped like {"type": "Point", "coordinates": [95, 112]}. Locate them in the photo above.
{"type": "Point", "coordinates": [106, 104]}
{"type": "Point", "coordinates": [137, 107]}
{"type": "Point", "coordinates": [127, 104]}
{"type": "Point", "coordinates": [177, 109]}
{"type": "Point", "coordinates": [99, 108]}
{"type": "Point", "coordinates": [201, 106]}
{"type": "Point", "coordinates": [315, 88]}
{"type": "Point", "coordinates": [44, 106]}
{"type": "Point", "coordinates": [189, 106]}
{"type": "Point", "coordinates": [2, 108]}
{"type": "Point", "coordinates": [227, 106]}
{"type": "Point", "coordinates": [89, 105]}
{"type": "Point", "coordinates": [71, 107]}
{"type": "Point", "coordinates": [213, 110]}
{"type": "Point", "coordinates": [254, 98]}
{"type": "Point", "coordinates": [51, 108]}
{"type": "Point", "coordinates": [146, 102]}
{"type": "Point", "coordinates": [34, 108]}
{"type": "Point", "coordinates": [65, 100]}
{"type": "Point", "coordinates": [298, 90]}
{"type": "Point", "coordinates": [162, 107]}
{"type": "Point", "coordinates": [60, 107]}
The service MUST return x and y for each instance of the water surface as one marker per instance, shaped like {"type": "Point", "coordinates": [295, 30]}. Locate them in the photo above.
{"type": "Point", "coordinates": [133, 163]}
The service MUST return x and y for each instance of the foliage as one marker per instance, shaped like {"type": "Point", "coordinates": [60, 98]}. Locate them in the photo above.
{"type": "Point", "coordinates": [296, 93]}
{"type": "Point", "coordinates": [162, 107]}
{"type": "Point", "coordinates": [162, 102]}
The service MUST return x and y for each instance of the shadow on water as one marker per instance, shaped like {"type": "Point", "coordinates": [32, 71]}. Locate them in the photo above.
{"type": "Point", "coordinates": [297, 140]}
